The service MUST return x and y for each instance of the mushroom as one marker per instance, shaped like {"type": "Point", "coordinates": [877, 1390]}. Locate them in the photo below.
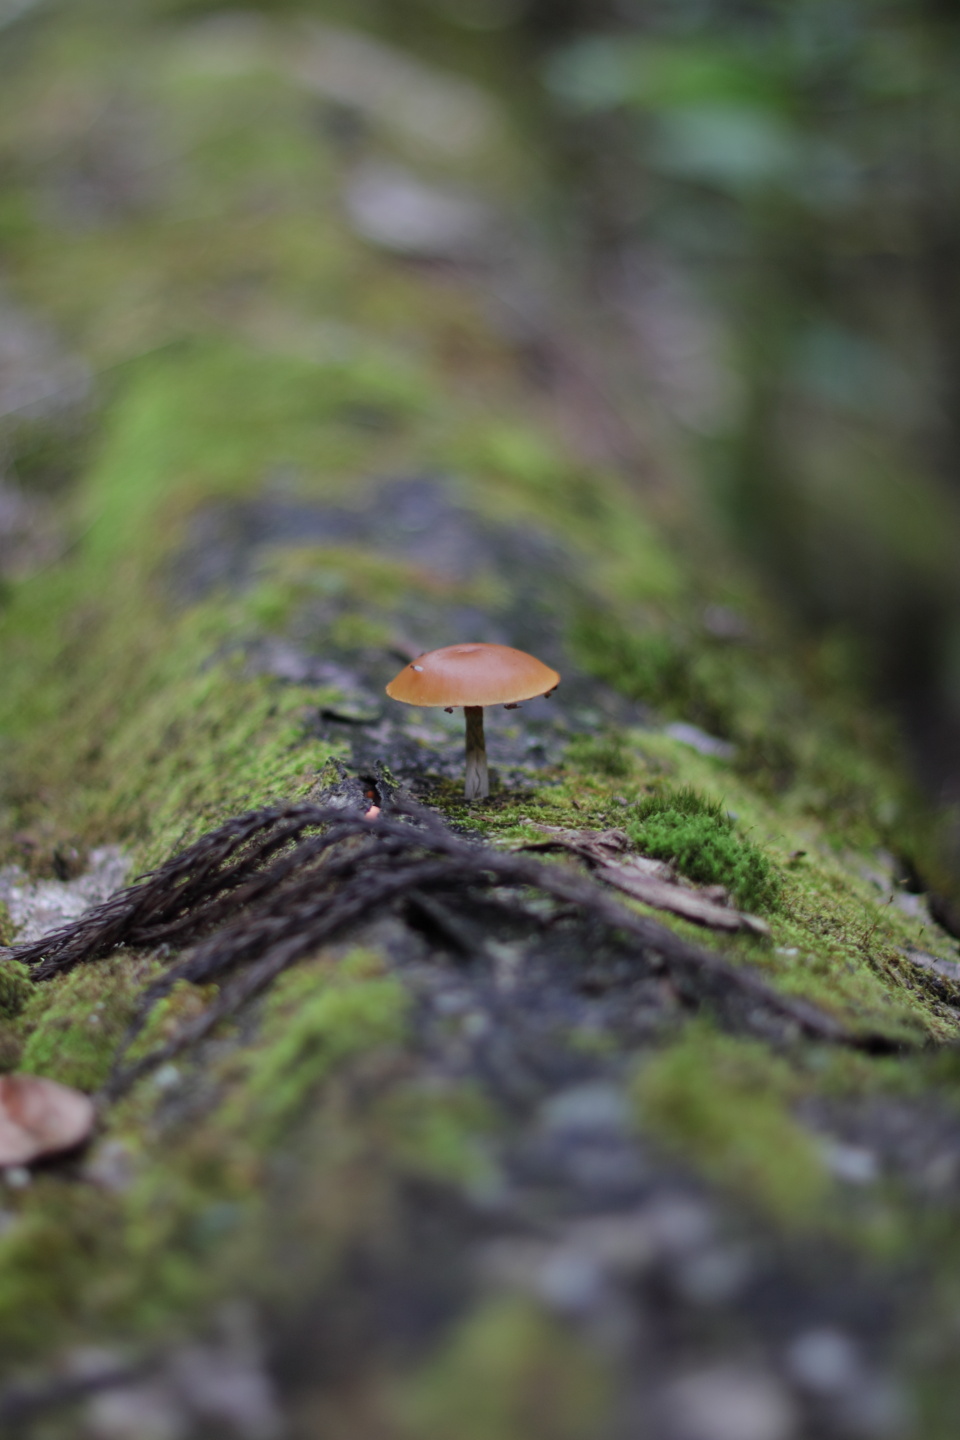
{"type": "Point", "coordinates": [473, 676]}
{"type": "Point", "coordinates": [40, 1117]}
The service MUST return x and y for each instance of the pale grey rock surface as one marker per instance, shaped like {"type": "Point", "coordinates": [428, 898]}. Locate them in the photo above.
{"type": "Point", "coordinates": [38, 906]}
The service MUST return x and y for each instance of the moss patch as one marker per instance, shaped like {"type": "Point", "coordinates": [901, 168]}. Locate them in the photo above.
{"type": "Point", "coordinates": [604, 755]}
{"type": "Point", "coordinates": [508, 1373]}
{"type": "Point", "coordinates": [701, 839]}
{"type": "Point", "coordinates": [441, 1129]}
{"type": "Point", "coordinates": [721, 1104]}
{"type": "Point", "coordinates": [15, 988]}
{"type": "Point", "coordinates": [317, 1017]}
{"type": "Point", "coordinates": [75, 1022]}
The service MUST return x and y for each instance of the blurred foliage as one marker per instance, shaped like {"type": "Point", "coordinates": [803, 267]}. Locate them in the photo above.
{"type": "Point", "coordinates": [799, 163]}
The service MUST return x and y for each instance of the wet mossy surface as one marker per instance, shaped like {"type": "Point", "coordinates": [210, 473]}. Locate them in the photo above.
{"type": "Point", "coordinates": [301, 459]}
{"type": "Point", "coordinates": [699, 836]}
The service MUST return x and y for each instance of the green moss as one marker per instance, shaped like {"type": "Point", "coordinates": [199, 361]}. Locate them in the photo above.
{"type": "Point", "coordinates": [74, 1023]}
{"type": "Point", "coordinates": [838, 953]}
{"type": "Point", "coordinates": [183, 1003]}
{"type": "Point", "coordinates": [802, 734]}
{"type": "Point", "coordinates": [834, 940]}
{"type": "Point", "coordinates": [526, 474]}
{"type": "Point", "coordinates": [49, 1258]}
{"type": "Point", "coordinates": [319, 1016]}
{"type": "Point", "coordinates": [652, 666]}
{"type": "Point", "coordinates": [605, 754]}
{"type": "Point", "coordinates": [441, 1130]}
{"type": "Point", "coordinates": [189, 1224]}
{"type": "Point", "coordinates": [700, 838]}
{"type": "Point", "coordinates": [722, 1105]}
{"type": "Point", "coordinates": [165, 743]}
{"type": "Point", "coordinates": [204, 420]}
{"type": "Point", "coordinates": [16, 988]}
{"type": "Point", "coordinates": [508, 1373]}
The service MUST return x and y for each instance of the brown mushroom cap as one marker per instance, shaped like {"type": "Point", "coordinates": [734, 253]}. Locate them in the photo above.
{"type": "Point", "coordinates": [472, 675]}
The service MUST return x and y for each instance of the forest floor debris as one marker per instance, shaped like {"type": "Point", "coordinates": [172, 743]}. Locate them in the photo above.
{"type": "Point", "coordinates": [653, 882]}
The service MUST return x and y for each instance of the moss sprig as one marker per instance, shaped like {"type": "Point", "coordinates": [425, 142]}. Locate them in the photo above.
{"type": "Point", "coordinates": [701, 839]}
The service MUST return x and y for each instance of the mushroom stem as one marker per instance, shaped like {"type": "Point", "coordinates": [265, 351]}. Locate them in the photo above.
{"type": "Point", "coordinates": [477, 783]}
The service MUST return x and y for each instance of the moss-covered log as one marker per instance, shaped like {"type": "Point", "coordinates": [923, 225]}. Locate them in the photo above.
{"type": "Point", "coordinates": [494, 1157]}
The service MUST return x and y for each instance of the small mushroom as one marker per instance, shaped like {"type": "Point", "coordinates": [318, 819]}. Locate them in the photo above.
{"type": "Point", "coordinates": [473, 676]}
{"type": "Point", "coordinates": [40, 1117]}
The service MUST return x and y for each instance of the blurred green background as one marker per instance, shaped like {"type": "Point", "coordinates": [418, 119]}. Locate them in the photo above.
{"type": "Point", "coordinates": [792, 171]}
{"type": "Point", "coordinates": [765, 198]}
{"type": "Point", "coordinates": [766, 193]}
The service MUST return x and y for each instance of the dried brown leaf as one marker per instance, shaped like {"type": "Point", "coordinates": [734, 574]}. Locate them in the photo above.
{"type": "Point", "coordinates": [40, 1117]}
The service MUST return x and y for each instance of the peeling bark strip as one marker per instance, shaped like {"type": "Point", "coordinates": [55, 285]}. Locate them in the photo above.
{"type": "Point", "coordinates": [261, 892]}
{"type": "Point", "coordinates": [650, 881]}
{"type": "Point", "coordinates": [667, 895]}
